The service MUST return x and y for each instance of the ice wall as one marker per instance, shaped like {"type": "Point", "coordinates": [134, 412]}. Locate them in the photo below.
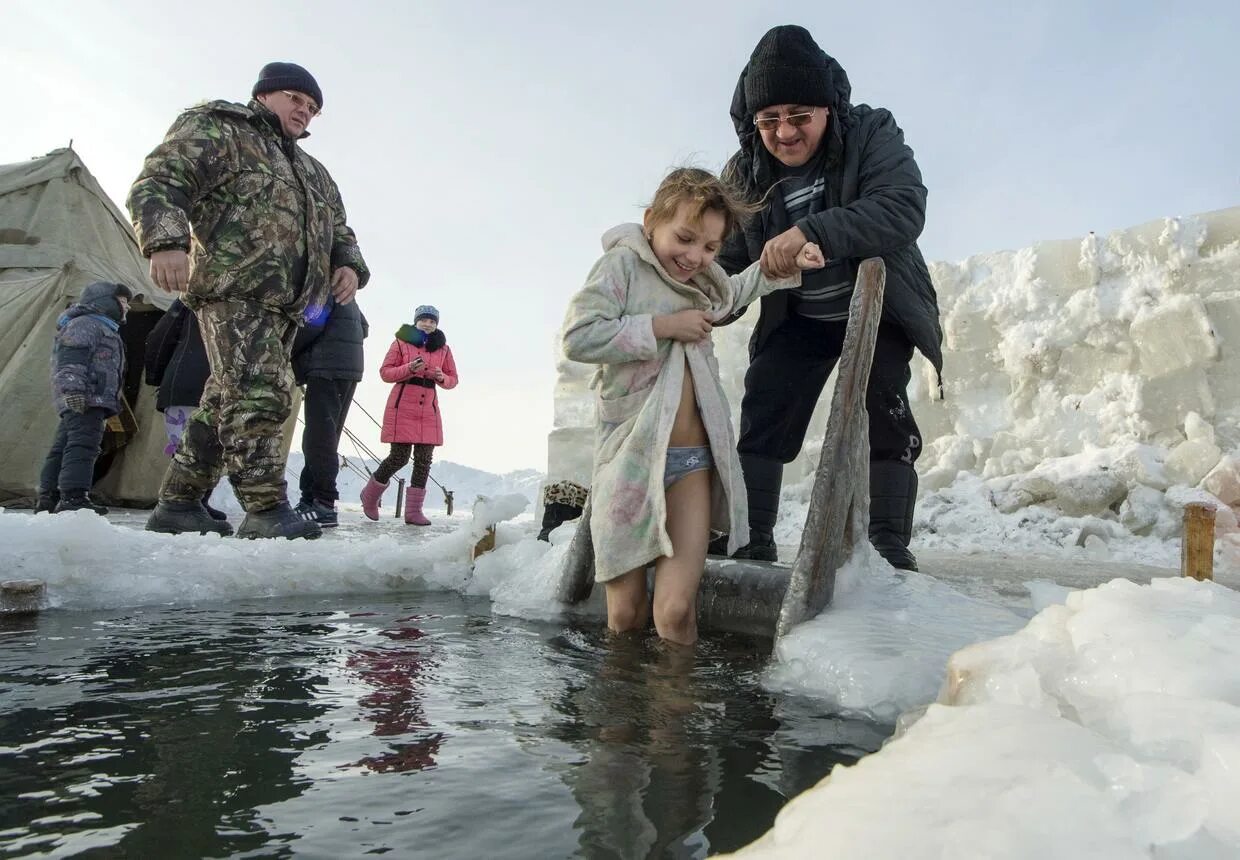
{"type": "Point", "coordinates": [1121, 349]}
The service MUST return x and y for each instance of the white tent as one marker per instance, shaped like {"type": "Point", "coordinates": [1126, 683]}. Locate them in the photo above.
{"type": "Point", "coordinates": [58, 233]}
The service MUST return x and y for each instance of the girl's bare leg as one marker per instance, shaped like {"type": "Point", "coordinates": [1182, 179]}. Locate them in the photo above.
{"type": "Point", "coordinates": [627, 606]}
{"type": "Point", "coordinates": [677, 577]}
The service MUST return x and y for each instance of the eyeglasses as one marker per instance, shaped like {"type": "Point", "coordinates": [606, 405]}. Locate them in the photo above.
{"type": "Point", "coordinates": [301, 101]}
{"type": "Point", "coordinates": [796, 120]}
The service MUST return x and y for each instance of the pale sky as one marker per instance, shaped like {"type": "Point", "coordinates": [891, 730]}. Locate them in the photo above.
{"type": "Point", "coordinates": [483, 148]}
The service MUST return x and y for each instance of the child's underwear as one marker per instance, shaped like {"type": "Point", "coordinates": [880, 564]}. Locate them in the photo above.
{"type": "Point", "coordinates": [684, 461]}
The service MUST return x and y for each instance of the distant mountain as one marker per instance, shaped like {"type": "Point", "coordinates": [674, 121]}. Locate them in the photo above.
{"type": "Point", "coordinates": [465, 482]}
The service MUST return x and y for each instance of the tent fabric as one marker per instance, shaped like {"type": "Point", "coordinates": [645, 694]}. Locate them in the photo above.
{"type": "Point", "coordinates": [59, 232]}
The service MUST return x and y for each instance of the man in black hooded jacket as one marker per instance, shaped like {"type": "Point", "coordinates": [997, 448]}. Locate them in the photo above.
{"type": "Point", "coordinates": [841, 176]}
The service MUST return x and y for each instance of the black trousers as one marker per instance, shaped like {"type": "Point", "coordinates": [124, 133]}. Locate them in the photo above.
{"type": "Point", "coordinates": [786, 378]}
{"type": "Point", "coordinates": [327, 405]}
{"type": "Point", "coordinates": [70, 465]}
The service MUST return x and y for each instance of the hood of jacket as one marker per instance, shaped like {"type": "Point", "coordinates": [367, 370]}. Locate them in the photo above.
{"type": "Point", "coordinates": [710, 284]}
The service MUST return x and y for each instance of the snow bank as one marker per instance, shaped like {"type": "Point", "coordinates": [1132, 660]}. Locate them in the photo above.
{"type": "Point", "coordinates": [1108, 727]}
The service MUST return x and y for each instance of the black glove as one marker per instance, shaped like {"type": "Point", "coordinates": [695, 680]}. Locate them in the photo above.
{"type": "Point", "coordinates": [76, 402]}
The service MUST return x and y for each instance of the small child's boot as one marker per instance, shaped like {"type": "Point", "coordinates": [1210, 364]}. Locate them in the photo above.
{"type": "Point", "coordinates": [47, 501]}
{"type": "Point", "coordinates": [414, 496]}
{"type": "Point", "coordinates": [372, 493]}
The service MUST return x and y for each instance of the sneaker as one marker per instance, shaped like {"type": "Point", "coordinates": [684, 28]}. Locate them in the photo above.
{"type": "Point", "coordinates": [280, 521]}
{"type": "Point", "coordinates": [321, 512]}
{"type": "Point", "coordinates": [174, 518]}
{"type": "Point", "coordinates": [718, 547]}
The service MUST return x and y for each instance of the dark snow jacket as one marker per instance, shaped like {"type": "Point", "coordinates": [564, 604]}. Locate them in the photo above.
{"type": "Point", "coordinates": [878, 207]}
{"type": "Point", "coordinates": [331, 347]}
{"type": "Point", "coordinates": [175, 358]}
{"type": "Point", "coordinates": [88, 357]}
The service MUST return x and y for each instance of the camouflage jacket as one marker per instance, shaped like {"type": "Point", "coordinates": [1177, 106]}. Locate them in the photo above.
{"type": "Point", "coordinates": [268, 225]}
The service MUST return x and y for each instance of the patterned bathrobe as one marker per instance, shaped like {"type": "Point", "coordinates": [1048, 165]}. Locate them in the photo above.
{"type": "Point", "coordinates": [638, 386]}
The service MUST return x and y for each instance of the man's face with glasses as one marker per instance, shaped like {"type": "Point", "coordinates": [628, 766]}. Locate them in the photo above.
{"type": "Point", "coordinates": [792, 133]}
{"type": "Point", "coordinates": [294, 109]}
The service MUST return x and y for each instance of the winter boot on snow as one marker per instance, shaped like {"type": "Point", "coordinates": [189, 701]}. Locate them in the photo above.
{"type": "Point", "coordinates": [214, 513]}
{"type": "Point", "coordinates": [414, 496]}
{"type": "Point", "coordinates": [763, 479]}
{"type": "Point", "coordinates": [47, 501]}
{"type": "Point", "coordinates": [280, 521]}
{"type": "Point", "coordinates": [78, 500]}
{"type": "Point", "coordinates": [372, 493]}
{"type": "Point", "coordinates": [893, 495]}
{"type": "Point", "coordinates": [174, 518]}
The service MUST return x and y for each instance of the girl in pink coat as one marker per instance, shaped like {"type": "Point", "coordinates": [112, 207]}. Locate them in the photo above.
{"type": "Point", "coordinates": [419, 362]}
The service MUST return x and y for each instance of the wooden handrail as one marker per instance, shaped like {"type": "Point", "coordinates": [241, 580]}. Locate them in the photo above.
{"type": "Point", "coordinates": [839, 506]}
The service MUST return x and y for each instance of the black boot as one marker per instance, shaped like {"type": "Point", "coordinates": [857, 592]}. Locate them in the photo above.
{"type": "Point", "coordinates": [280, 521]}
{"type": "Point", "coordinates": [47, 502]}
{"type": "Point", "coordinates": [213, 513]}
{"type": "Point", "coordinates": [174, 518]}
{"type": "Point", "coordinates": [78, 500]}
{"type": "Point", "coordinates": [555, 514]}
{"type": "Point", "coordinates": [763, 478]}
{"type": "Point", "coordinates": [893, 495]}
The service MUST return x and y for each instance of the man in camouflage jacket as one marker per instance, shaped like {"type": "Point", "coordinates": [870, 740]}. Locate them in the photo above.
{"type": "Point", "coordinates": [252, 232]}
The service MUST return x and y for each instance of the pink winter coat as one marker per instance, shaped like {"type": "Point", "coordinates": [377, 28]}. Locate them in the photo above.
{"type": "Point", "coordinates": [412, 413]}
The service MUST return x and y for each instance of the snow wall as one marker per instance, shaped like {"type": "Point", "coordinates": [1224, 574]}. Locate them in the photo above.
{"type": "Point", "coordinates": [1123, 348]}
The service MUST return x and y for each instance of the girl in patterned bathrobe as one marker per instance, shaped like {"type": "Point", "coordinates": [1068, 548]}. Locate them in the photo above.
{"type": "Point", "coordinates": [665, 466]}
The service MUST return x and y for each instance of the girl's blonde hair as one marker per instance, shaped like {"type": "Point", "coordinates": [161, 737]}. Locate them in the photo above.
{"type": "Point", "coordinates": [704, 192]}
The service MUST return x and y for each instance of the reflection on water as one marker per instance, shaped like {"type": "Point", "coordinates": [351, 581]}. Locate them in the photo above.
{"type": "Point", "coordinates": [427, 727]}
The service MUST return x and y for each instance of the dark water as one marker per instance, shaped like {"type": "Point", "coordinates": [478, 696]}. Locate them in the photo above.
{"type": "Point", "coordinates": [423, 727]}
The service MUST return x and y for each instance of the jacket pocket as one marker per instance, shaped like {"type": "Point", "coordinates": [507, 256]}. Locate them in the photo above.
{"type": "Point", "coordinates": [617, 410]}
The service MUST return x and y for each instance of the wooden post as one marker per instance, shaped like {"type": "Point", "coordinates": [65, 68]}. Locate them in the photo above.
{"type": "Point", "coordinates": [839, 505]}
{"type": "Point", "coordinates": [400, 497]}
{"type": "Point", "coordinates": [577, 575]}
{"type": "Point", "coordinates": [22, 596]}
{"type": "Point", "coordinates": [1197, 545]}
{"type": "Point", "coordinates": [486, 543]}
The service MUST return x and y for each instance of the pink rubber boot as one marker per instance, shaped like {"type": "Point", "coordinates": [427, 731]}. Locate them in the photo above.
{"type": "Point", "coordinates": [413, 507]}
{"type": "Point", "coordinates": [372, 493]}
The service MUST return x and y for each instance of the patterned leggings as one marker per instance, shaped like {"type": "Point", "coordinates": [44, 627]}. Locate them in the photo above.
{"type": "Point", "coordinates": [398, 456]}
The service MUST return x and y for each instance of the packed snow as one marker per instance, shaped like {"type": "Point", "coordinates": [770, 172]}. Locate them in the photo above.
{"type": "Point", "coordinates": [1109, 727]}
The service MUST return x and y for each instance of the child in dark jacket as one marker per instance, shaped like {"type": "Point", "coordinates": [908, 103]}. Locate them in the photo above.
{"type": "Point", "coordinates": [175, 361]}
{"type": "Point", "coordinates": [88, 364]}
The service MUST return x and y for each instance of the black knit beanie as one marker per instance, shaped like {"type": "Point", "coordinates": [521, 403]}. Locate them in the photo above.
{"type": "Point", "coordinates": [287, 76]}
{"type": "Point", "coordinates": [788, 68]}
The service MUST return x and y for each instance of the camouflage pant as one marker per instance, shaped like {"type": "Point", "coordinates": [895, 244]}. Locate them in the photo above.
{"type": "Point", "coordinates": [239, 422]}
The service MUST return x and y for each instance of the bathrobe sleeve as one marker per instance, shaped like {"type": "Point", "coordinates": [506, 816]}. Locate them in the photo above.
{"type": "Point", "coordinates": [597, 330]}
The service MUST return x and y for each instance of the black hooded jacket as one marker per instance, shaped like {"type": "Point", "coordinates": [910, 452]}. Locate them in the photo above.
{"type": "Point", "coordinates": [333, 348]}
{"type": "Point", "coordinates": [878, 207]}
{"type": "Point", "coordinates": [175, 358]}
